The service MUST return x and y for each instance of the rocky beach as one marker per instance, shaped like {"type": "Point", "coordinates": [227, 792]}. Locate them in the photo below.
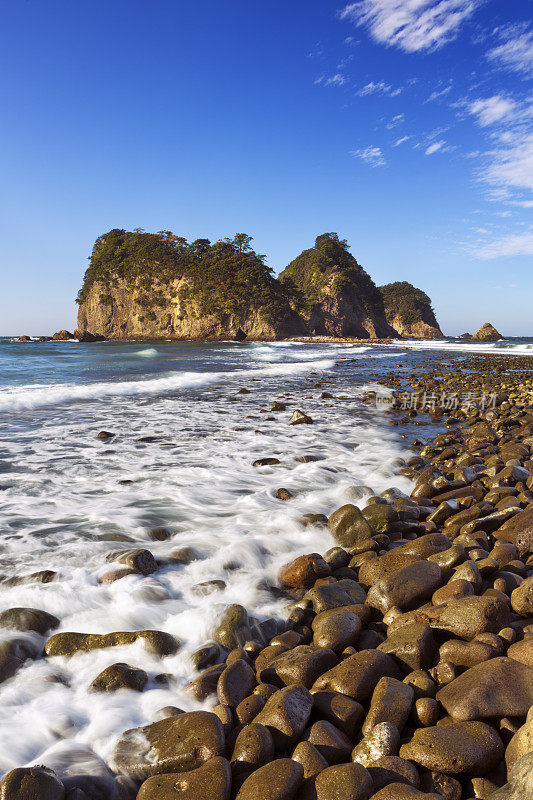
{"type": "Point", "coordinates": [377, 636]}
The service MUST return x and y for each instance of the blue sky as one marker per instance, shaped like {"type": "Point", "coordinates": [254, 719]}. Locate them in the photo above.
{"type": "Point", "coordinates": [404, 125]}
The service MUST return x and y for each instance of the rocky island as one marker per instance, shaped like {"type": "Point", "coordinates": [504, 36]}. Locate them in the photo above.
{"type": "Point", "coordinates": [159, 286]}
{"type": "Point", "coordinates": [409, 311]}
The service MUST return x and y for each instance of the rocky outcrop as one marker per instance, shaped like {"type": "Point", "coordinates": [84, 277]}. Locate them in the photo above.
{"type": "Point", "coordinates": [157, 286]}
{"type": "Point", "coordinates": [487, 333]}
{"type": "Point", "coordinates": [334, 294]}
{"type": "Point", "coordinates": [409, 311]}
{"type": "Point", "coordinates": [116, 313]}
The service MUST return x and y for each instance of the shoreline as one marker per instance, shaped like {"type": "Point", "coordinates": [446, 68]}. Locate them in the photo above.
{"type": "Point", "coordinates": [435, 534]}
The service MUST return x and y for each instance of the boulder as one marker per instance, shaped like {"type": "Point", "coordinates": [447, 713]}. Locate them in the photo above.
{"type": "Point", "coordinates": [31, 783]}
{"type": "Point", "coordinates": [455, 748]}
{"type": "Point", "coordinates": [278, 780]}
{"type": "Point", "coordinates": [301, 665]}
{"type": "Point", "coordinates": [211, 781]}
{"type": "Point", "coordinates": [336, 629]}
{"type": "Point", "coordinates": [175, 744]}
{"type": "Point", "coordinates": [303, 571]}
{"type": "Point", "coordinates": [348, 526]}
{"type": "Point", "coordinates": [346, 781]}
{"type": "Point", "coordinates": [343, 712]}
{"type": "Point", "coordinates": [236, 683]}
{"type": "Point", "coordinates": [285, 714]}
{"type": "Point", "coordinates": [358, 675]}
{"type": "Point", "coordinates": [518, 531]}
{"type": "Point", "coordinates": [330, 742]}
{"type": "Point", "coordinates": [13, 654]}
{"type": "Point", "coordinates": [253, 748]}
{"type": "Point", "coordinates": [521, 743]}
{"type": "Point", "coordinates": [496, 688]}
{"type": "Point", "coordinates": [120, 676]}
{"type": "Point", "coordinates": [233, 628]}
{"type": "Point", "coordinates": [28, 619]}
{"type": "Point", "coordinates": [407, 588]}
{"type": "Point", "coordinates": [62, 336]}
{"type": "Point", "coordinates": [300, 418]}
{"type": "Point", "coordinates": [66, 644]}
{"type": "Point", "coordinates": [391, 701]}
{"type": "Point", "coordinates": [412, 646]}
{"type": "Point", "coordinates": [520, 783]}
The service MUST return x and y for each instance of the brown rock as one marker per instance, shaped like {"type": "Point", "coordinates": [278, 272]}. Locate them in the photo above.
{"type": "Point", "coordinates": [175, 744]}
{"type": "Point", "coordinates": [343, 712]}
{"type": "Point", "coordinates": [301, 665]}
{"type": "Point", "coordinates": [412, 646]}
{"type": "Point", "coordinates": [336, 629]}
{"type": "Point", "coordinates": [455, 748]}
{"type": "Point", "coordinates": [308, 756]}
{"type": "Point", "coordinates": [330, 742]}
{"type": "Point", "coordinates": [119, 676]}
{"type": "Point", "coordinates": [518, 531]}
{"type": "Point", "coordinates": [211, 781]}
{"type": "Point", "coordinates": [520, 783]}
{"type": "Point", "coordinates": [236, 682]}
{"type": "Point", "coordinates": [28, 619]}
{"type": "Point", "coordinates": [487, 333]}
{"type": "Point", "coordinates": [348, 526]}
{"type": "Point", "coordinates": [407, 588]}
{"type": "Point", "coordinates": [358, 675]}
{"type": "Point", "coordinates": [402, 791]}
{"type": "Point", "coordinates": [392, 769]}
{"type": "Point", "coordinates": [521, 598]}
{"type": "Point", "coordinates": [383, 740]}
{"type": "Point", "coordinates": [346, 781]}
{"type": "Point", "coordinates": [521, 743]}
{"type": "Point", "coordinates": [382, 567]}
{"type": "Point", "coordinates": [31, 783]}
{"type": "Point", "coordinates": [391, 702]}
{"type": "Point", "coordinates": [66, 644]}
{"type": "Point", "coordinates": [278, 780]}
{"type": "Point", "coordinates": [254, 747]}
{"type": "Point", "coordinates": [496, 688]}
{"type": "Point", "coordinates": [286, 713]}
{"type": "Point", "coordinates": [304, 571]}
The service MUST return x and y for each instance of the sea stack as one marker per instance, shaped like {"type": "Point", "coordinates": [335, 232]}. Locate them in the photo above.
{"type": "Point", "coordinates": [159, 286]}
{"type": "Point", "coordinates": [335, 295]}
{"type": "Point", "coordinates": [487, 333]}
{"type": "Point", "coordinates": [410, 312]}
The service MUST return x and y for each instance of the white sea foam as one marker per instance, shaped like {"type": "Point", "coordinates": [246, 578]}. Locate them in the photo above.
{"type": "Point", "coordinates": [65, 509]}
{"type": "Point", "coordinates": [23, 399]}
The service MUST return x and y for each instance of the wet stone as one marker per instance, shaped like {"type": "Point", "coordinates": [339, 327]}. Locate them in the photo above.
{"type": "Point", "coordinates": [211, 781]}
{"type": "Point", "coordinates": [120, 676]}
{"type": "Point", "coordinates": [174, 744]}
{"type": "Point", "coordinates": [278, 780]}
{"type": "Point", "coordinates": [286, 713]}
{"type": "Point", "coordinates": [455, 748]}
{"type": "Point", "coordinates": [28, 619]}
{"type": "Point", "coordinates": [66, 644]}
{"type": "Point", "coordinates": [31, 783]}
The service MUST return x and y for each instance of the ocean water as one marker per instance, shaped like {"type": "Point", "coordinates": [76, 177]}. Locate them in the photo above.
{"type": "Point", "coordinates": [68, 499]}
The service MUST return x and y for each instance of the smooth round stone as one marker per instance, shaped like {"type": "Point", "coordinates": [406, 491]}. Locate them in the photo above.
{"type": "Point", "coordinates": [286, 713]}
{"type": "Point", "coordinates": [212, 781]}
{"type": "Point", "coordinates": [346, 781]}
{"type": "Point", "coordinates": [278, 780]}
{"type": "Point", "coordinates": [311, 760]}
{"type": "Point", "coordinates": [236, 682]}
{"type": "Point", "coordinates": [455, 748]}
{"type": "Point", "coordinates": [253, 748]}
{"type": "Point", "coordinates": [31, 783]}
{"type": "Point", "coordinates": [120, 676]}
{"type": "Point", "coordinates": [330, 742]}
{"type": "Point", "coordinates": [392, 769]}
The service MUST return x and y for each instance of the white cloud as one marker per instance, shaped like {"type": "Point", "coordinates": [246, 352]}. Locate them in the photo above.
{"type": "Point", "coordinates": [336, 80]}
{"type": "Point", "coordinates": [516, 52]}
{"type": "Point", "coordinates": [379, 87]}
{"type": "Point", "coordinates": [401, 141]}
{"type": "Point", "coordinates": [411, 25]}
{"type": "Point", "coordinates": [511, 168]}
{"type": "Point", "coordinates": [492, 109]}
{"type": "Point", "coordinates": [399, 119]}
{"type": "Point", "coordinates": [435, 147]}
{"type": "Point", "coordinates": [514, 244]}
{"type": "Point", "coordinates": [436, 95]}
{"type": "Point", "coordinates": [371, 156]}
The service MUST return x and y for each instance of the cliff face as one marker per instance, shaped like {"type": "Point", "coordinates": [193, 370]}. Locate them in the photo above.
{"type": "Point", "coordinates": [157, 286]}
{"type": "Point", "coordinates": [409, 311]}
{"type": "Point", "coordinates": [335, 296]}
{"type": "Point", "coordinates": [115, 313]}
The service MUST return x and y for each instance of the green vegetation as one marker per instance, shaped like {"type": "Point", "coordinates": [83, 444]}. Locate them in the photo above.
{"type": "Point", "coordinates": [223, 277]}
{"type": "Point", "coordinates": [408, 303]}
{"type": "Point", "coordinates": [328, 266]}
